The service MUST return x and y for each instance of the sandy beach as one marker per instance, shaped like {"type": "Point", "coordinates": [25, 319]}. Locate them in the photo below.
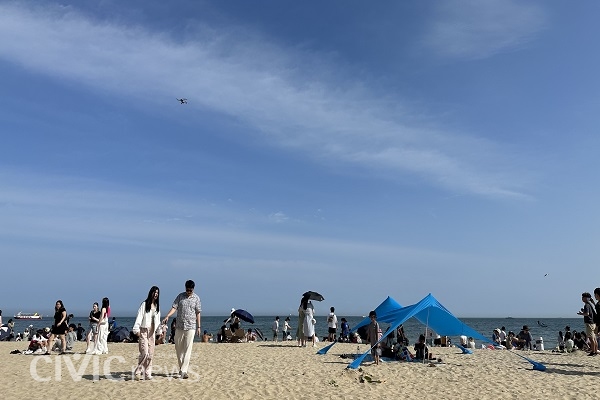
{"type": "Point", "coordinates": [268, 370]}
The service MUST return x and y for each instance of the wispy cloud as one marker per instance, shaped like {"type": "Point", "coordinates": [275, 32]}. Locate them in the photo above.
{"type": "Point", "coordinates": [478, 29]}
{"type": "Point", "coordinates": [278, 217]}
{"type": "Point", "coordinates": [87, 214]}
{"type": "Point", "coordinates": [241, 75]}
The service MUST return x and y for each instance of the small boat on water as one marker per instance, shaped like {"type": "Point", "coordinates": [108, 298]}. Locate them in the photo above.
{"type": "Point", "coordinates": [21, 315]}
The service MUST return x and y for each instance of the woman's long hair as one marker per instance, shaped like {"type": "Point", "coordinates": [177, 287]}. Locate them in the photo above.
{"type": "Point", "coordinates": [106, 304]}
{"type": "Point", "coordinates": [150, 299]}
{"type": "Point", "coordinates": [304, 302]}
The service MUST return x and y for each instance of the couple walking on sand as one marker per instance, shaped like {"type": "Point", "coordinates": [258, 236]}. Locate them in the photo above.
{"type": "Point", "coordinates": [148, 324]}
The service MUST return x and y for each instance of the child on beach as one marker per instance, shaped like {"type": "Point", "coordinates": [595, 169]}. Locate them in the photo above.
{"type": "Point", "coordinates": [286, 328]}
{"type": "Point", "coordinates": [421, 350]}
{"type": "Point", "coordinates": [373, 335]}
{"type": "Point", "coordinates": [345, 334]}
{"type": "Point", "coordinates": [275, 328]}
{"type": "Point", "coordinates": [71, 336]}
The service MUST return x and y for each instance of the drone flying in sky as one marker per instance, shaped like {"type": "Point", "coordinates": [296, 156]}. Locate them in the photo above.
{"type": "Point", "coordinates": [182, 101]}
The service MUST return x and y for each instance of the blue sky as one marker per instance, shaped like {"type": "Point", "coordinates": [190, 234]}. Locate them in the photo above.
{"type": "Point", "coordinates": [359, 150]}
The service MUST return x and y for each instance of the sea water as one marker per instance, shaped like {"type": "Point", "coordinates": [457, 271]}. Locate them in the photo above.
{"type": "Point", "coordinates": [546, 328]}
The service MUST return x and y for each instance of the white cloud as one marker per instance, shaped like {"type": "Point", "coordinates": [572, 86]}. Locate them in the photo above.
{"type": "Point", "coordinates": [278, 217]}
{"type": "Point", "coordinates": [477, 29]}
{"type": "Point", "coordinates": [241, 76]}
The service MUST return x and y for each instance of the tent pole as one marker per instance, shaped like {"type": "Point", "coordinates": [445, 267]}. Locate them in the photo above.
{"type": "Point", "coordinates": [426, 329]}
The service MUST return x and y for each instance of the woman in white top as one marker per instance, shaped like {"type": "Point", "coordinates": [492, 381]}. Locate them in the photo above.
{"type": "Point", "coordinates": [102, 344]}
{"type": "Point", "coordinates": [146, 326]}
{"type": "Point", "coordinates": [309, 321]}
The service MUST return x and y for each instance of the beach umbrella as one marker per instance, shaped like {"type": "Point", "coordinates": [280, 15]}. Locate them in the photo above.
{"type": "Point", "coordinates": [4, 332]}
{"type": "Point", "coordinates": [259, 333]}
{"type": "Point", "coordinates": [243, 315]}
{"type": "Point", "coordinates": [313, 296]}
{"type": "Point", "coordinates": [119, 334]}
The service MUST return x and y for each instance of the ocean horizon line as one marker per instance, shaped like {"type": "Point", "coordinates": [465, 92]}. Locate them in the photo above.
{"type": "Point", "coordinates": [10, 313]}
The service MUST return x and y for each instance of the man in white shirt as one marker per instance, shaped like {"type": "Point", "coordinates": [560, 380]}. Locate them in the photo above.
{"type": "Point", "coordinates": [332, 324]}
{"type": "Point", "coordinates": [503, 336]}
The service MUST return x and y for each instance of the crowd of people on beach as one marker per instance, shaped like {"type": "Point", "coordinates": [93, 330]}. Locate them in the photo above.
{"type": "Point", "coordinates": [568, 341]}
{"type": "Point", "coordinates": [150, 330]}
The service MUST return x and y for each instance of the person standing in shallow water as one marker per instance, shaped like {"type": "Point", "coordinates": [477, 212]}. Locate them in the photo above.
{"type": "Point", "coordinates": [188, 308]}
{"type": "Point", "coordinates": [146, 326]}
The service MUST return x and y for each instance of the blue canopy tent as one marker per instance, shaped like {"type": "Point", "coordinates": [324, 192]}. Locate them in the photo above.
{"type": "Point", "coordinates": [430, 312]}
{"type": "Point", "coordinates": [388, 306]}
{"type": "Point", "coordinates": [441, 320]}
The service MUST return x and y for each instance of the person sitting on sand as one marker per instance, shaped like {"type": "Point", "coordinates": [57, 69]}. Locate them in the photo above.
{"type": "Point", "coordinates": [250, 336]}
{"type": "Point", "coordinates": [569, 345]}
{"type": "Point", "coordinates": [496, 337]}
{"type": "Point", "coordinates": [39, 341]}
{"type": "Point", "coordinates": [510, 340]}
{"type": "Point", "coordinates": [470, 343]}
{"type": "Point", "coordinates": [581, 341]}
{"type": "Point", "coordinates": [390, 339]}
{"type": "Point", "coordinates": [71, 336]}
{"type": "Point", "coordinates": [421, 350]}
{"type": "Point", "coordinates": [206, 337]}
{"type": "Point", "coordinates": [524, 339]}
{"type": "Point", "coordinates": [401, 336]}
{"type": "Point", "coordinates": [404, 354]}
{"type": "Point", "coordinates": [561, 342]}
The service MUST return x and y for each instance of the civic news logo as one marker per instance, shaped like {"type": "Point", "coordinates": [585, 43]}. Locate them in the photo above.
{"type": "Point", "coordinates": [89, 367]}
